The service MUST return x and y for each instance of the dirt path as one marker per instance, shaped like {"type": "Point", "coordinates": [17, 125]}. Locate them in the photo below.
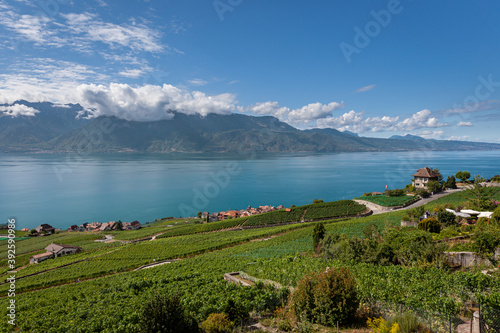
{"type": "Point", "coordinates": [377, 209]}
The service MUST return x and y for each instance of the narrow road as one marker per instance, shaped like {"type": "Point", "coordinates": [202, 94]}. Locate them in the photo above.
{"type": "Point", "coordinates": [377, 209]}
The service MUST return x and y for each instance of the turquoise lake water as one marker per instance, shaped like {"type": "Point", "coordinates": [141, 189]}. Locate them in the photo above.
{"type": "Point", "coordinates": [63, 189]}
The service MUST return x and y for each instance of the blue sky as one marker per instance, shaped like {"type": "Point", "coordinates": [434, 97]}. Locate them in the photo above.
{"type": "Point", "coordinates": [377, 68]}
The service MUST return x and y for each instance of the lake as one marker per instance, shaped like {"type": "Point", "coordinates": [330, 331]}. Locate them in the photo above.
{"type": "Point", "coordinates": [61, 189]}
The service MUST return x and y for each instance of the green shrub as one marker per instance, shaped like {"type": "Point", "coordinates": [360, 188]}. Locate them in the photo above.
{"type": "Point", "coordinates": [326, 297]}
{"type": "Point", "coordinates": [450, 182]}
{"type": "Point", "coordinates": [486, 240]}
{"type": "Point", "coordinates": [318, 235]}
{"type": "Point", "coordinates": [217, 323]}
{"type": "Point", "coordinates": [447, 218]}
{"type": "Point", "coordinates": [430, 225]}
{"type": "Point", "coordinates": [235, 311]}
{"type": "Point", "coordinates": [395, 193]}
{"type": "Point", "coordinates": [165, 313]}
{"type": "Point", "coordinates": [407, 322]}
{"type": "Point", "coordinates": [423, 193]}
{"type": "Point", "coordinates": [434, 186]}
{"type": "Point", "coordinates": [495, 218]}
{"type": "Point", "coordinates": [368, 194]}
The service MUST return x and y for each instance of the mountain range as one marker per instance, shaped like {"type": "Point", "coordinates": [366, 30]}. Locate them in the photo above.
{"type": "Point", "coordinates": [57, 128]}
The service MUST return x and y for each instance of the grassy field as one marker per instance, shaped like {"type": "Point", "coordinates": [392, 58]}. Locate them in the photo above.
{"type": "Point", "coordinates": [386, 201]}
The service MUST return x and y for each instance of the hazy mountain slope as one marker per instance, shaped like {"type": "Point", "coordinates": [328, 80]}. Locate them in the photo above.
{"type": "Point", "coordinates": [58, 129]}
{"type": "Point", "coordinates": [28, 133]}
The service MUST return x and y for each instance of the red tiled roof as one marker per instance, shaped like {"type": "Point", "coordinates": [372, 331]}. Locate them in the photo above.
{"type": "Point", "coordinates": [425, 173]}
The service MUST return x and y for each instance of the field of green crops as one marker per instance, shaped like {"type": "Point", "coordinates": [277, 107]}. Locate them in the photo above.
{"type": "Point", "coordinates": [110, 295]}
{"type": "Point", "coordinates": [386, 201]}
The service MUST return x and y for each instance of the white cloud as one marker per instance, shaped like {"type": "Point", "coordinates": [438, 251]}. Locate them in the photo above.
{"type": "Point", "coordinates": [18, 110]}
{"type": "Point", "coordinates": [313, 111]}
{"type": "Point", "coordinates": [88, 27]}
{"type": "Point", "coordinates": [465, 123]}
{"type": "Point", "coordinates": [419, 120]}
{"type": "Point", "coordinates": [301, 117]}
{"type": "Point", "coordinates": [431, 134]}
{"type": "Point", "coordinates": [198, 82]}
{"type": "Point", "coordinates": [233, 82]}
{"type": "Point", "coordinates": [46, 79]}
{"type": "Point", "coordinates": [357, 122]}
{"type": "Point", "coordinates": [365, 88]}
{"type": "Point", "coordinates": [132, 73]}
{"type": "Point", "coordinates": [473, 106]}
{"type": "Point", "coordinates": [149, 102]}
{"type": "Point", "coordinates": [31, 28]}
{"type": "Point", "coordinates": [460, 138]}
{"type": "Point", "coordinates": [270, 109]}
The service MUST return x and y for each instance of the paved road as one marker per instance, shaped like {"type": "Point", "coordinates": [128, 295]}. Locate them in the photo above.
{"type": "Point", "coordinates": [377, 209]}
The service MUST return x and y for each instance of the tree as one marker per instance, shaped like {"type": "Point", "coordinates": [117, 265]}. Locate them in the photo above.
{"type": "Point", "coordinates": [430, 225]}
{"type": "Point", "coordinates": [318, 235]}
{"type": "Point", "coordinates": [434, 186]}
{"type": "Point", "coordinates": [463, 175]}
{"type": "Point", "coordinates": [119, 225]}
{"type": "Point", "coordinates": [165, 313]}
{"type": "Point", "coordinates": [479, 196]}
{"type": "Point", "coordinates": [440, 176]}
{"type": "Point", "coordinates": [199, 215]}
{"type": "Point", "coordinates": [326, 298]}
{"type": "Point", "coordinates": [450, 182]}
{"type": "Point", "coordinates": [446, 218]}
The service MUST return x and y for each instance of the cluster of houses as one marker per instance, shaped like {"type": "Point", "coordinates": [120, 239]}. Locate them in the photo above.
{"type": "Point", "coordinates": [47, 229]}
{"type": "Point", "coordinates": [111, 225]}
{"type": "Point", "coordinates": [53, 251]}
{"type": "Point", "coordinates": [232, 214]}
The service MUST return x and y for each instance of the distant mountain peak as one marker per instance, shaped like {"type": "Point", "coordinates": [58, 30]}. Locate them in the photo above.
{"type": "Point", "coordinates": [351, 133]}
{"type": "Point", "coordinates": [407, 137]}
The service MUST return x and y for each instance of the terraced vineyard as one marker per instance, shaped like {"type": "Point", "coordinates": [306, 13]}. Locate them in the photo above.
{"type": "Point", "coordinates": [386, 201]}
{"type": "Point", "coordinates": [112, 302]}
{"type": "Point", "coordinates": [342, 208]}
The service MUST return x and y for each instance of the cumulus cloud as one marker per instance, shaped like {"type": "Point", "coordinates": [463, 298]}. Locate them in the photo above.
{"type": "Point", "coordinates": [270, 109]}
{"type": "Point", "coordinates": [365, 88]}
{"type": "Point", "coordinates": [431, 134]}
{"type": "Point", "coordinates": [357, 122]}
{"type": "Point", "coordinates": [298, 117]}
{"type": "Point", "coordinates": [18, 110]}
{"type": "Point", "coordinates": [150, 102]}
{"type": "Point", "coordinates": [313, 111]}
{"type": "Point", "coordinates": [465, 123]}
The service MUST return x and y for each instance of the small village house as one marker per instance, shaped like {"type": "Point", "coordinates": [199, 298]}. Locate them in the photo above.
{"type": "Point", "coordinates": [74, 227]}
{"type": "Point", "coordinates": [55, 250]}
{"type": "Point", "coordinates": [37, 258]}
{"type": "Point", "coordinates": [131, 225]}
{"type": "Point", "coordinates": [45, 228]}
{"type": "Point", "coordinates": [423, 176]}
{"type": "Point", "coordinates": [59, 250]}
